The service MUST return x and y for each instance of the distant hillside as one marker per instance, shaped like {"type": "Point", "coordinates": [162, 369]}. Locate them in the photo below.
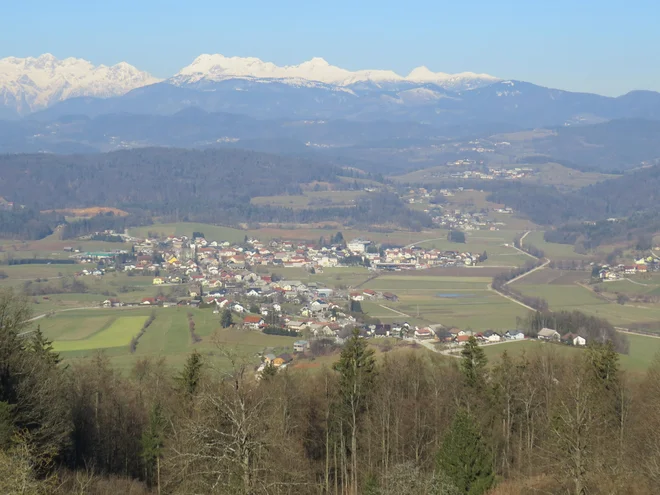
{"type": "Point", "coordinates": [611, 146]}
{"type": "Point", "coordinates": [630, 194]}
{"type": "Point", "coordinates": [212, 186]}
{"type": "Point", "coordinates": [154, 178]}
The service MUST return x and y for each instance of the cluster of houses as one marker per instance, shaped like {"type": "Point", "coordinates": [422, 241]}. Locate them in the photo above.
{"type": "Point", "coordinates": [464, 220]}
{"type": "Point", "coordinates": [214, 264]}
{"type": "Point", "coordinates": [489, 173]}
{"type": "Point", "coordinates": [456, 336]}
{"type": "Point", "coordinates": [449, 216]}
{"type": "Point", "coordinates": [551, 335]}
{"type": "Point", "coordinates": [609, 273]}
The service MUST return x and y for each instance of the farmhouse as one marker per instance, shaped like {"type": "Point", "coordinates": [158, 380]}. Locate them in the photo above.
{"type": "Point", "coordinates": [253, 322]}
{"type": "Point", "coordinates": [424, 333]}
{"type": "Point", "coordinates": [574, 339]}
{"type": "Point", "coordinates": [548, 334]}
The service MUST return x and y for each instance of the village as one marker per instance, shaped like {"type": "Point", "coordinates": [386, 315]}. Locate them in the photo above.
{"type": "Point", "coordinates": [240, 283]}
{"type": "Point", "coordinates": [608, 273]}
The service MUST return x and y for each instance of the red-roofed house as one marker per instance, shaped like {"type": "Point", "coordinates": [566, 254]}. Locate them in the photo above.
{"type": "Point", "coordinates": [253, 322]}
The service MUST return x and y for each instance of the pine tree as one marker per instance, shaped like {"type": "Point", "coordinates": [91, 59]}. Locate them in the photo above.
{"type": "Point", "coordinates": [192, 373]}
{"type": "Point", "coordinates": [357, 369]}
{"type": "Point", "coordinates": [152, 445]}
{"type": "Point", "coordinates": [464, 457]}
{"type": "Point", "coordinates": [473, 363]}
{"type": "Point", "coordinates": [604, 362]}
{"type": "Point", "coordinates": [226, 319]}
{"type": "Point", "coordinates": [43, 347]}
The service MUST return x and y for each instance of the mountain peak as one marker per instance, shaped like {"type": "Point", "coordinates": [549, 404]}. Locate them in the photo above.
{"type": "Point", "coordinates": [35, 83]}
{"type": "Point", "coordinates": [219, 67]}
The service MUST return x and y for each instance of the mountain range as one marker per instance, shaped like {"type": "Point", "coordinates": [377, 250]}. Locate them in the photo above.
{"type": "Point", "coordinates": [32, 84]}
{"type": "Point", "coordinates": [29, 84]}
{"type": "Point", "coordinates": [72, 106]}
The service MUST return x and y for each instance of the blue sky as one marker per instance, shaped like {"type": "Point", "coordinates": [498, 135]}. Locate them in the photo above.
{"type": "Point", "coordinates": [608, 47]}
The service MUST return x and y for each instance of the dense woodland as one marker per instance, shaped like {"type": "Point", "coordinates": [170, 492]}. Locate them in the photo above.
{"type": "Point", "coordinates": [411, 422]}
{"type": "Point", "coordinates": [155, 178]}
{"type": "Point", "coordinates": [213, 186]}
{"type": "Point", "coordinates": [26, 223]}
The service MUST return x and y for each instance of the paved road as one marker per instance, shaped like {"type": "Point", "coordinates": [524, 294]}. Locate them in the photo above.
{"type": "Point", "coordinates": [425, 240]}
{"type": "Point", "coordinates": [540, 267]}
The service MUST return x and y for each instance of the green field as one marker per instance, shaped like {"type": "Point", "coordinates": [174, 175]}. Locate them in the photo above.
{"type": "Point", "coordinates": [98, 333]}
{"type": "Point", "coordinates": [211, 232]}
{"type": "Point", "coordinates": [498, 244]}
{"type": "Point", "coordinates": [553, 250]}
{"type": "Point", "coordinates": [465, 302]}
{"type": "Point", "coordinates": [80, 334]}
{"type": "Point", "coordinates": [643, 351]}
{"type": "Point", "coordinates": [569, 296]}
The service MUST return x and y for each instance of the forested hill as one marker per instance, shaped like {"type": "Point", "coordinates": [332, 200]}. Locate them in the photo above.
{"type": "Point", "coordinates": [623, 196]}
{"type": "Point", "coordinates": [155, 178]}
{"type": "Point", "coordinates": [612, 146]}
{"type": "Point", "coordinates": [212, 186]}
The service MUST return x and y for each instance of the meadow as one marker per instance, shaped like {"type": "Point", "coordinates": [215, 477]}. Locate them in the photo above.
{"type": "Point", "coordinates": [211, 232]}
{"type": "Point", "coordinates": [553, 250]}
{"type": "Point", "coordinates": [643, 351]}
{"type": "Point", "coordinates": [311, 199]}
{"type": "Point", "coordinates": [465, 302]}
{"type": "Point", "coordinates": [82, 333]}
{"type": "Point", "coordinates": [562, 292]}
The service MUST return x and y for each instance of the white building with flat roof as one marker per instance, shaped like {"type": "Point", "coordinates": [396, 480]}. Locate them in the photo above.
{"type": "Point", "coordinates": [358, 246]}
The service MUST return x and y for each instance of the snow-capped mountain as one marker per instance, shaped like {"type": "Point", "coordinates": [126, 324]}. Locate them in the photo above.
{"type": "Point", "coordinates": [29, 84]}
{"type": "Point", "coordinates": [215, 68]}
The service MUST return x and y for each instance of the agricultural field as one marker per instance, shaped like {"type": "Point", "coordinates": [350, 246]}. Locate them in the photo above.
{"type": "Point", "coordinates": [563, 177]}
{"type": "Point", "coordinates": [465, 302]}
{"type": "Point", "coordinates": [82, 333]}
{"type": "Point", "coordinates": [498, 244]}
{"type": "Point", "coordinates": [87, 335]}
{"type": "Point", "coordinates": [643, 351]}
{"type": "Point", "coordinates": [212, 232]}
{"type": "Point", "coordinates": [311, 199]}
{"type": "Point", "coordinates": [562, 292]}
{"type": "Point", "coordinates": [641, 284]}
{"type": "Point", "coordinates": [553, 250]}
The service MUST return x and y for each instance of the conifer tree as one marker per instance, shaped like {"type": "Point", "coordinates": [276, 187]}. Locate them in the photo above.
{"type": "Point", "coordinates": [192, 373]}
{"type": "Point", "coordinates": [464, 457]}
{"type": "Point", "coordinates": [356, 367]}
{"type": "Point", "coordinates": [473, 363]}
{"type": "Point", "coordinates": [152, 445]}
{"type": "Point", "coordinates": [43, 347]}
{"type": "Point", "coordinates": [226, 319]}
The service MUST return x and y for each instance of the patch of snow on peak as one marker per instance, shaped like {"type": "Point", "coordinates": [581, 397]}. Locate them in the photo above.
{"type": "Point", "coordinates": [219, 67]}
{"type": "Point", "coordinates": [462, 80]}
{"type": "Point", "coordinates": [35, 83]}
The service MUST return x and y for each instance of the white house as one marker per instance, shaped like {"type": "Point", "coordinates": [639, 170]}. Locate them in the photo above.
{"type": "Point", "coordinates": [300, 346]}
{"type": "Point", "coordinates": [514, 335]}
{"type": "Point", "coordinates": [579, 341]}
{"type": "Point", "coordinates": [424, 333]}
{"type": "Point", "coordinates": [238, 308]}
{"type": "Point", "coordinates": [358, 246]}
